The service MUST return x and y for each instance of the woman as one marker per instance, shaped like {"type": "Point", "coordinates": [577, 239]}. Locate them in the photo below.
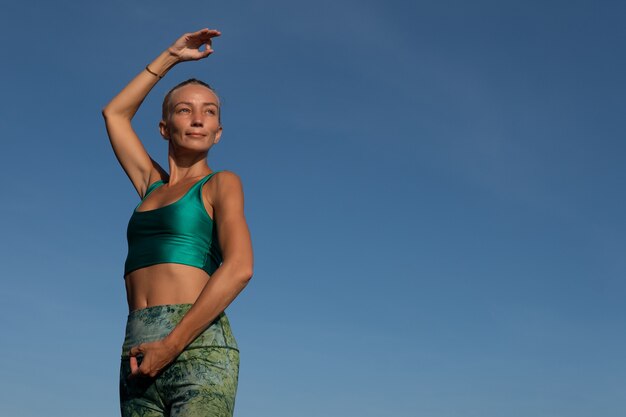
{"type": "Point", "coordinates": [179, 356]}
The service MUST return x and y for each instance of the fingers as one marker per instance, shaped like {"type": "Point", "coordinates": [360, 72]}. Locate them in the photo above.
{"type": "Point", "coordinates": [142, 370]}
{"type": "Point", "coordinates": [188, 46]}
{"type": "Point", "coordinates": [198, 53]}
{"type": "Point", "coordinates": [137, 370]}
{"type": "Point", "coordinates": [208, 49]}
{"type": "Point", "coordinates": [142, 361]}
{"type": "Point", "coordinates": [204, 33]}
{"type": "Point", "coordinates": [212, 33]}
{"type": "Point", "coordinates": [134, 352]}
{"type": "Point", "coordinates": [133, 365]}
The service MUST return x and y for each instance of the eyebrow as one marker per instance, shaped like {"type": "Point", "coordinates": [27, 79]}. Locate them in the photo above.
{"type": "Point", "coordinates": [210, 103]}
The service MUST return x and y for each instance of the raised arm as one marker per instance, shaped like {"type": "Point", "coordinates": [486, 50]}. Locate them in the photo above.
{"type": "Point", "coordinates": [140, 168]}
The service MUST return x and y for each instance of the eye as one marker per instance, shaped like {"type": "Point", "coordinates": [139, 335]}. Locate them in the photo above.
{"type": "Point", "coordinates": [211, 111]}
{"type": "Point", "coordinates": [183, 110]}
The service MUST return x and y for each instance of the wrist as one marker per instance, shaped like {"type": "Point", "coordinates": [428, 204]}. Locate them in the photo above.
{"type": "Point", "coordinates": [162, 64]}
{"type": "Point", "coordinates": [174, 344]}
{"type": "Point", "coordinates": [173, 54]}
{"type": "Point", "coordinates": [159, 76]}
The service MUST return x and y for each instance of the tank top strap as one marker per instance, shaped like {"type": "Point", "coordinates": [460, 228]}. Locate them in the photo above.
{"type": "Point", "coordinates": [152, 187]}
{"type": "Point", "coordinates": [199, 185]}
{"type": "Point", "coordinates": [208, 177]}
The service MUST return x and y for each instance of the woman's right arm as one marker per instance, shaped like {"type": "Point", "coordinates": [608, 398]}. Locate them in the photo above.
{"type": "Point", "coordinates": [129, 150]}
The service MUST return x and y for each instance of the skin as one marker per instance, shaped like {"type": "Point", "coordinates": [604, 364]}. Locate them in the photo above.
{"type": "Point", "coordinates": [191, 129]}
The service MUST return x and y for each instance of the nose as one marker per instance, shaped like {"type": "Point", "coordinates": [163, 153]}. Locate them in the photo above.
{"type": "Point", "coordinates": [196, 119]}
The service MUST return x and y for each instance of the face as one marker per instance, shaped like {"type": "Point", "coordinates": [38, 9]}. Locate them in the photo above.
{"type": "Point", "coordinates": [193, 121]}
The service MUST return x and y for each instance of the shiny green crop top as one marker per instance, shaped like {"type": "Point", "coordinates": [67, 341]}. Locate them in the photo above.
{"type": "Point", "coordinates": [181, 232]}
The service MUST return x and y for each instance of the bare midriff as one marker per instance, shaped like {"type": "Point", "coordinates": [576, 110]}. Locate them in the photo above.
{"type": "Point", "coordinates": [165, 283]}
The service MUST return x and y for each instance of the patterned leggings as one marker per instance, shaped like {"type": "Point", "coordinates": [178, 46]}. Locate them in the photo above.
{"type": "Point", "coordinates": [201, 382]}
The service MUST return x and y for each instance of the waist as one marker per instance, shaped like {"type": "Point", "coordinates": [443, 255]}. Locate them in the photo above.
{"type": "Point", "coordinates": [154, 323]}
{"type": "Point", "coordinates": [164, 284]}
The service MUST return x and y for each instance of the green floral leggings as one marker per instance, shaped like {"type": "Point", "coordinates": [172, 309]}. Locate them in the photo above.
{"type": "Point", "coordinates": [201, 382]}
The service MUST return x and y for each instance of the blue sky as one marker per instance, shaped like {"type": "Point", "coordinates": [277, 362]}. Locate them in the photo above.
{"type": "Point", "coordinates": [434, 190]}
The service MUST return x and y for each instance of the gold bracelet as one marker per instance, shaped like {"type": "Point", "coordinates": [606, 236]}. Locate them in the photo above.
{"type": "Point", "coordinates": [153, 73]}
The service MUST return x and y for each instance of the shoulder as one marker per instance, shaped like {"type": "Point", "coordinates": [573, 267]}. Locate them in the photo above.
{"type": "Point", "coordinates": [226, 178]}
{"type": "Point", "coordinates": [224, 186]}
{"type": "Point", "coordinates": [226, 181]}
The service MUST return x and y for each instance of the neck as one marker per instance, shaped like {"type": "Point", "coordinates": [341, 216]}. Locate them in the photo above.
{"type": "Point", "coordinates": [186, 164]}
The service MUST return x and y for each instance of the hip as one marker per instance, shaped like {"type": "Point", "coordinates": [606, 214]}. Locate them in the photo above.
{"type": "Point", "coordinates": [154, 323]}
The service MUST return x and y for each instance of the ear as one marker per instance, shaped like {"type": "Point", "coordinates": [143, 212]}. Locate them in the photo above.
{"type": "Point", "coordinates": [218, 135]}
{"type": "Point", "coordinates": [164, 130]}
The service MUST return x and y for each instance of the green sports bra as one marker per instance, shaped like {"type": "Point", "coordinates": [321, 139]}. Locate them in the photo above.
{"type": "Point", "coordinates": [181, 232]}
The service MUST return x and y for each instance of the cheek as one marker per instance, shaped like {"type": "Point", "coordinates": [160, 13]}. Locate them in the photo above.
{"type": "Point", "coordinates": [174, 125]}
{"type": "Point", "coordinates": [213, 124]}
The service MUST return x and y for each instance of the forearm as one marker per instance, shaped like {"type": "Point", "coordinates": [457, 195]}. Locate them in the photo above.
{"type": "Point", "coordinates": [221, 289]}
{"type": "Point", "coordinates": [127, 102]}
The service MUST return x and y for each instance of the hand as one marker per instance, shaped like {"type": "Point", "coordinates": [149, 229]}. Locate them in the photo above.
{"type": "Point", "coordinates": [187, 47]}
{"type": "Point", "coordinates": [156, 356]}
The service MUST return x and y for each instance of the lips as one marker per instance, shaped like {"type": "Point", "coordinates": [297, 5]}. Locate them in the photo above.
{"type": "Point", "coordinates": [195, 134]}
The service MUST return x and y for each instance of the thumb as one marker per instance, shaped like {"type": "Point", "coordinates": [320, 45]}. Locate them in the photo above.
{"type": "Point", "coordinates": [136, 351]}
{"type": "Point", "coordinates": [134, 363]}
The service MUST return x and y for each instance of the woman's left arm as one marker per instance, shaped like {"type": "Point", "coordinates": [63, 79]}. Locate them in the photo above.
{"type": "Point", "coordinates": [221, 289]}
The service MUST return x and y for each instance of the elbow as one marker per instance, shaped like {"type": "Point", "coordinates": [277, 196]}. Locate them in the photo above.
{"type": "Point", "coordinates": [106, 112]}
{"type": "Point", "coordinates": [239, 268]}
{"type": "Point", "coordinates": [245, 274]}
{"type": "Point", "coordinates": [111, 111]}
{"type": "Point", "coordinates": [242, 272]}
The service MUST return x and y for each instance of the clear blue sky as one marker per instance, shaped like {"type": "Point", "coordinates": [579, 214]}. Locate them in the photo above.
{"type": "Point", "coordinates": [435, 191]}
